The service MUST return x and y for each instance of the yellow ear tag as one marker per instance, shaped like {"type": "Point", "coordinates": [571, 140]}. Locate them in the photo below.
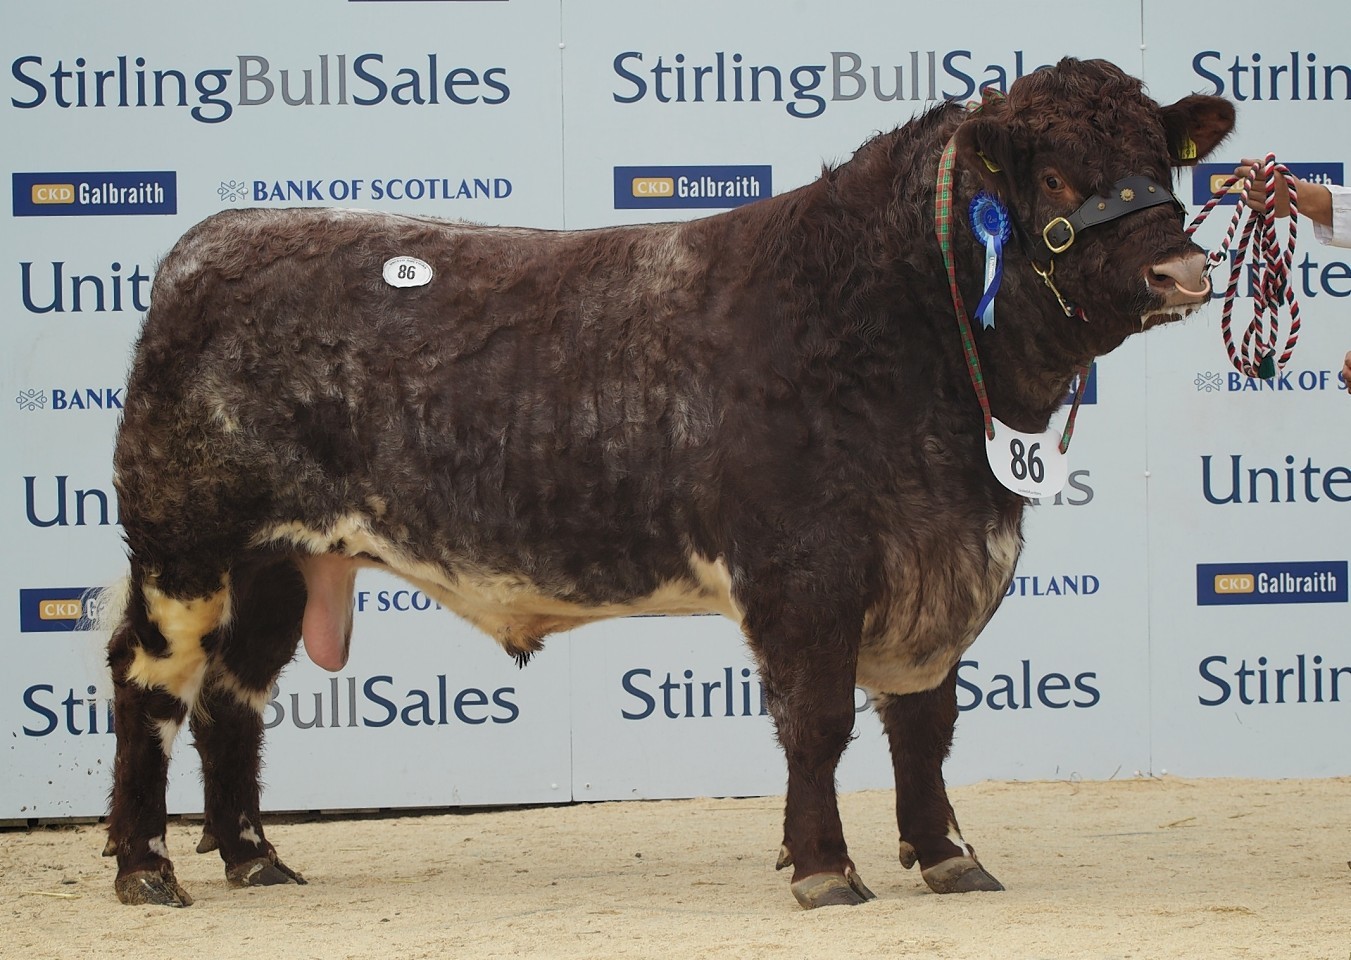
{"type": "Point", "coordinates": [992, 167]}
{"type": "Point", "coordinates": [1188, 150]}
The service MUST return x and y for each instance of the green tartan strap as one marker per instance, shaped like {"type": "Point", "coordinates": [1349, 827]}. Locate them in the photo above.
{"type": "Point", "coordinates": [943, 228]}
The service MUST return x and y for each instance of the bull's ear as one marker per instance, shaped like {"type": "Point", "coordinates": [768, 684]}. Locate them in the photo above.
{"type": "Point", "coordinates": [1196, 125]}
{"type": "Point", "coordinates": [985, 147]}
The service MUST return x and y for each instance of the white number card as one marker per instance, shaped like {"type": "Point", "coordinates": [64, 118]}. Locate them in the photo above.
{"type": "Point", "coordinates": [1029, 464]}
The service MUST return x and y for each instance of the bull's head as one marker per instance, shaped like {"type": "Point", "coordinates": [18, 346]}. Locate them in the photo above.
{"type": "Point", "coordinates": [1074, 151]}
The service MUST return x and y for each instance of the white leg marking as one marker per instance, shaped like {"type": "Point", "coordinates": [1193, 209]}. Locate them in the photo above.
{"type": "Point", "coordinates": [168, 732]}
{"type": "Point", "coordinates": [955, 837]}
{"type": "Point", "coordinates": [159, 847]}
{"type": "Point", "coordinates": [248, 833]}
{"type": "Point", "coordinates": [255, 700]}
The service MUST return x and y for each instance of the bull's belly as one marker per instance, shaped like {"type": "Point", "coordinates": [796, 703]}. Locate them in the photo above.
{"type": "Point", "coordinates": [934, 610]}
{"type": "Point", "coordinates": [510, 607]}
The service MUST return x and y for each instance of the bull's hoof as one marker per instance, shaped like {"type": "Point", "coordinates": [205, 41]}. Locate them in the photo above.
{"type": "Point", "coordinates": [261, 872]}
{"type": "Point", "coordinates": [960, 875]}
{"type": "Point", "coordinates": [152, 887]}
{"type": "Point", "coordinates": [831, 890]}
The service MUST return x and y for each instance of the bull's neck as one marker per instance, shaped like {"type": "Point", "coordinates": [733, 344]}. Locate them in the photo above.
{"type": "Point", "coordinates": [1026, 361]}
{"type": "Point", "coordinates": [861, 241]}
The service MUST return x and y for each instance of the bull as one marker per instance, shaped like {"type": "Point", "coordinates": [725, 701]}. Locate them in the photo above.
{"type": "Point", "coordinates": [767, 413]}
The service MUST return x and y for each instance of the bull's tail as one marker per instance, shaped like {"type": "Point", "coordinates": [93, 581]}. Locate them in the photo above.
{"type": "Point", "coordinates": [102, 608]}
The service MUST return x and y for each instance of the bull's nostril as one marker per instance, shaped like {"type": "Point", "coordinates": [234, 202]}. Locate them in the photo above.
{"type": "Point", "coordinates": [1181, 278]}
{"type": "Point", "coordinates": [1166, 283]}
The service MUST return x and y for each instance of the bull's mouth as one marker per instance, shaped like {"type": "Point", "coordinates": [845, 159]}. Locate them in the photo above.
{"type": "Point", "coordinates": [1170, 314]}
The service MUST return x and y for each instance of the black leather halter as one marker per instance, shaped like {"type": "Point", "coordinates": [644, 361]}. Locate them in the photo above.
{"type": "Point", "coordinates": [1127, 195]}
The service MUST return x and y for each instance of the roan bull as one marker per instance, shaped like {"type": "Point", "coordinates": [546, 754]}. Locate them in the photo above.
{"type": "Point", "coordinates": [766, 413]}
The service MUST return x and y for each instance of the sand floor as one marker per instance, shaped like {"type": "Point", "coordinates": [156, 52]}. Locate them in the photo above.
{"type": "Point", "coordinates": [1143, 868]}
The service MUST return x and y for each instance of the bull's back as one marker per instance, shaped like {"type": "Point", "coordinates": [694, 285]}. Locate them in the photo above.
{"type": "Point", "coordinates": [529, 408]}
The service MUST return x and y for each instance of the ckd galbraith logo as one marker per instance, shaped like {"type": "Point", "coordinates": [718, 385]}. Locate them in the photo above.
{"type": "Point", "coordinates": [58, 609]}
{"type": "Point", "coordinates": [1315, 581]}
{"type": "Point", "coordinates": [120, 193]}
{"type": "Point", "coordinates": [688, 187]}
{"type": "Point", "coordinates": [1209, 177]}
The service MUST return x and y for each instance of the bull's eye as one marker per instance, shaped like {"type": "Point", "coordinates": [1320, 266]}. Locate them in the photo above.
{"type": "Point", "coordinates": [1053, 183]}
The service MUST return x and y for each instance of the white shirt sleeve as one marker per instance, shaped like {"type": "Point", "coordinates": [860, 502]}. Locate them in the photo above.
{"type": "Point", "coordinates": [1339, 234]}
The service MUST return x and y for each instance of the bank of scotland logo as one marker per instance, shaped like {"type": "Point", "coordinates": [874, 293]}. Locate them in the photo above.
{"type": "Point", "coordinates": [1209, 382]}
{"type": "Point", "coordinates": [232, 190]}
{"type": "Point", "coordinates": [32, 400]}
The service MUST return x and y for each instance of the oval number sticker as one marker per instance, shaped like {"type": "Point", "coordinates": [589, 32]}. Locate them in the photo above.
{"type": "Point", "coordinates": [407, 272]}
{"type": "Point", "coordinates": [1029, 464]}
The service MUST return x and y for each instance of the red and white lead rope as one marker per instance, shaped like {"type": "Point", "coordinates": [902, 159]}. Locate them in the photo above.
{"type": "Point", "coordinates": [1257, 356]}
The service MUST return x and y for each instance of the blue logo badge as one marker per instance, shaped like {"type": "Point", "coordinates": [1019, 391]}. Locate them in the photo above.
{"type": "Point", "coordinates": [676, 188]}
{"type": "Point", "coordinates": [1208, 177]}
{"type": "Point", "coordinates": [1228, 584]}
{"type": "Point", "coordinates": [126, 193]}
{"type": "Point", "coordinates": [57, 609]}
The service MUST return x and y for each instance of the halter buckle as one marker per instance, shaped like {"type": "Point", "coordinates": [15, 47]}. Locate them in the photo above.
{"type": "Point", "coordinates": [1058, 224]}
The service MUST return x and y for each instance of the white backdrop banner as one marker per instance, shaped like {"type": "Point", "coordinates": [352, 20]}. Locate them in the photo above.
{"type": "Point", "coordinates": [1177, 606]}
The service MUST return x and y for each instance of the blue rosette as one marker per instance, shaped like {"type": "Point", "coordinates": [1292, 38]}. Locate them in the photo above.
{"type": "Point", "coordinates": [990, 223]}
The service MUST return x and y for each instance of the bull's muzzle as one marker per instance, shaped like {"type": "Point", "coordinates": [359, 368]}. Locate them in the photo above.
{"type": "Point", "coordinates": [1180, 282]}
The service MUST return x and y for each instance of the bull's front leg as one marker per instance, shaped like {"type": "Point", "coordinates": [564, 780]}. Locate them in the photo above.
{"type": "Point", "coordinates": [919, 727]}
{"type": "Point", "coordinates": [808, 653]}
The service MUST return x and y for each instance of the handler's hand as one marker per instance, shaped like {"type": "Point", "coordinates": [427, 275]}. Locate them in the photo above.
{"type": "Point", "coordinates": [1315, 200]}
{"type": "Point", "coordinates": [1346, 372]}
{"type": "Point", "coordinates": [1255, 196]}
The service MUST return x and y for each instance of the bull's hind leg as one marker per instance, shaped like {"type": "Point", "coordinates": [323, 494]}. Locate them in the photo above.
{"type": "Point", "coordinates": [919, 727]}
{"type": "Point", "coordinates": [227, 727]}
{"type": "Point", "coordinates": [158, 659]}
{"type": "Point", "coordinates": [807, 655]}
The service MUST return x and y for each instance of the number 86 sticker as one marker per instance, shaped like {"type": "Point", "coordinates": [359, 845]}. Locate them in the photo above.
{"type": "Point", "coordinates": [1029, 464]}
{"type": "Point", "coordinates": [407, 272]}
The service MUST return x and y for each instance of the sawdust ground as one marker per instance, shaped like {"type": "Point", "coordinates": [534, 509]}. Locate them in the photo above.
{"type": "Point", "coordinates": [1144, 868]}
